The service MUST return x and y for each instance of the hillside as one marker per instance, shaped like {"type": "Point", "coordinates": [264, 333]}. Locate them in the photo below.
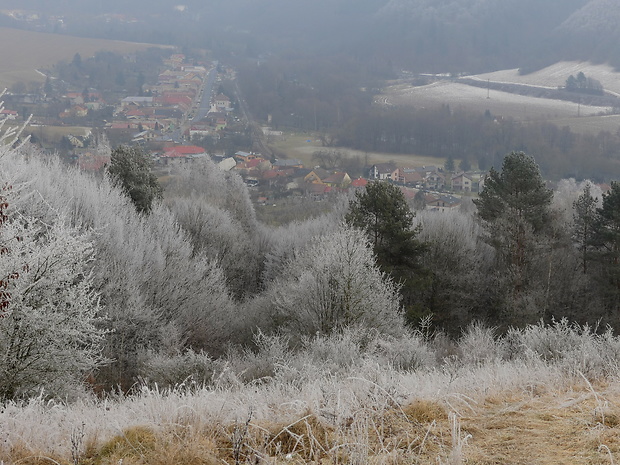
{"type": "Point", "coordinates": [591, 32]}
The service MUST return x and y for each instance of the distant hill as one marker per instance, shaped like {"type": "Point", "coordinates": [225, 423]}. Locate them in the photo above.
{"type": "Point", "coordinates": [591, 32]}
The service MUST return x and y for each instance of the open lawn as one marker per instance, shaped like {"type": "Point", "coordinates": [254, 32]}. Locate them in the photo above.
{"type": "Point", "coordinates": [55, 133]}
{"type": "Point", "coordinates": [25, 52]}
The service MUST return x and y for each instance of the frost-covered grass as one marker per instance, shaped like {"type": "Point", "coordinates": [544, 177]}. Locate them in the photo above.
{"type": "Point", "coordinates": [348, 398]}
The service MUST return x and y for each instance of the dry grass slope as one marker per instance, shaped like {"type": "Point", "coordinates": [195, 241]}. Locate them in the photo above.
{"type": "Point", "coordinates": [542, 395]}
{"type": "Point", "coordinates": [576, 425]}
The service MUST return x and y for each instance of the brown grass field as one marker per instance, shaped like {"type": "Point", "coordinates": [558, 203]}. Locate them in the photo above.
{"type": "Point", "coordinates": [578, 425]}
{"type": "Point", "coordinates": [56, 133]}
{"type": "Point", "coordinates": [296, 145]}
{"type": "Point", "coordinates": [28, 51]}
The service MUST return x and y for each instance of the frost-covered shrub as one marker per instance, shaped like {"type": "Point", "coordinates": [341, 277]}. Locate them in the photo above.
{"type": "Point", "coordinates": [335, 283]}
{"type": "Point", "coordinates": [261, 363]}
{"type": "Point", "coordinates": [478, 345]}
{"type": "Point", "coordinates": [548, 342]}
{"type": "Point", "coordinates": [575, 348]}
{"type": "Point", "coordinates": [408, 352]}
{"type": "Point", "coordinates": [166, 371]}
{"type": "Point", "coordinates": [339, 351]}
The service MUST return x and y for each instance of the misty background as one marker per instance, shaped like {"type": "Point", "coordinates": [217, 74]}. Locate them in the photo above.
{"type": "Point", "coordinates": [385, 35]}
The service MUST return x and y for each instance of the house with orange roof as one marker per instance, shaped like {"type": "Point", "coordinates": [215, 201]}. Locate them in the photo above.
{"type": "Point", "coordinates": [316, 176]}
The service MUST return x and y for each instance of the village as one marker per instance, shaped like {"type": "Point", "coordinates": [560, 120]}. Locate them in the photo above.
{"type": "Point", "coordinates": [185, 116]}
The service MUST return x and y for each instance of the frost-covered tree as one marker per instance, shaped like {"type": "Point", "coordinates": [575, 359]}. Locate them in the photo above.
{"type": "Point", "coordinates": [335, 283]}
{"type": "Point", "coordinates": [287, 241]}
{"type": "Point", "coordinates": [215, 210]}
{"type": "Point", "coordinates": [457, 264]}
{"type": "Point", "coordinates": [50, 331]}
{"type": "Point", "coordinates": [160, 294]}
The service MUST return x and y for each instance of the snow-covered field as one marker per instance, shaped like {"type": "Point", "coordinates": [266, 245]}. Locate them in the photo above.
{"type": "Point", "coordinates": [471, 98]}
{"type": "Point", "coordinates": [580, 118]}
{"type": "Point", "coordinates": [556, 75]}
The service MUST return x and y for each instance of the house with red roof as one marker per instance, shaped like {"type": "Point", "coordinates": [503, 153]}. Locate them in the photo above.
{"type": "Point", "coordinates": [359, 183]}
{"type": "Point", "coordinates": [181, 154]}
{"type": "Point", "coordinates": [9, 114]}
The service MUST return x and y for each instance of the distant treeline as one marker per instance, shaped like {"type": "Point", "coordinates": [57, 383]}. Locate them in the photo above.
{"type": "Point", "coordinates": [483, 139]}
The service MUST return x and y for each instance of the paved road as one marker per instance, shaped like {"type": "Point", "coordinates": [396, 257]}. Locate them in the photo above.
{"type": "Point", "coordinates": [205, 98]}
{"type": "Point", "coordinates": [202, 107]}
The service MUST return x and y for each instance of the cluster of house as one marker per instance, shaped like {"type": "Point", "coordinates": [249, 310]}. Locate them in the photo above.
{"type": "Point", "coordinates": [432, 181]}
{"type": "Point", "coordinates": [165, 105]}
{"type": "Point", "coordinates": [318, 183]}
{"type": "Point", "coordinates": [428, 177]}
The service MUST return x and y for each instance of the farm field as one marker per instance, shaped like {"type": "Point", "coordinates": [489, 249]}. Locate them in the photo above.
{"type": "Point", "coordinates": [303, 146]}
{"type": "Point", "coordinates": [29, 51]}
{"type": "Point", "coordinates": [55, 133]}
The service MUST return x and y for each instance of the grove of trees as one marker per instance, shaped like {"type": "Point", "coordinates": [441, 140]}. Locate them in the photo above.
{"type": "Point", "coordinates": [93, 287]}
